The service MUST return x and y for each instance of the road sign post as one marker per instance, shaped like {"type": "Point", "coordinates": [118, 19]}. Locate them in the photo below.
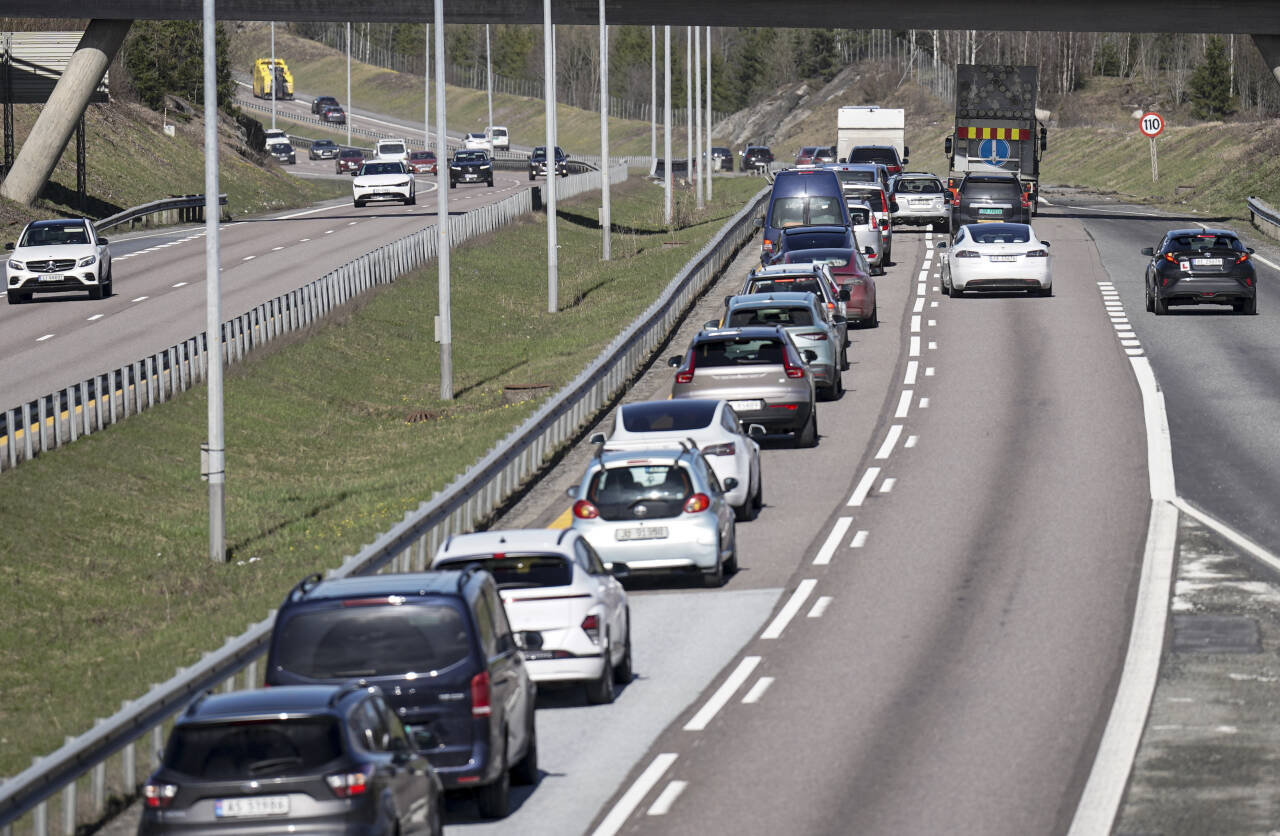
{"type": "Point", "coordinates": [1152, 124]}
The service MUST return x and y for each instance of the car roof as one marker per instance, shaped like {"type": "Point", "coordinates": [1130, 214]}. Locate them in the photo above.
{"type": "Point", "coordinates": [259, 702]}
{"type": "Point", "coordinates": [764, 300]}
{"type": "Point", "coordinates": [747, 331]}
{"type": "Point", "coordinates": [658, 455]}
{"type": "Point", "coordinates": [781, 269]}
{"type": "Point", "coordinates": [407, 583]}
{"type": "Point", "coordinates": [58, 222]}
{"type": "Point", "coordinates": [510, 540]}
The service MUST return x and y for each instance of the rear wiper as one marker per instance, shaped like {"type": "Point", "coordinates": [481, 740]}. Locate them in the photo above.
{"type": "Point", "coordinates": [368, 672]}
{"type": "Point", "coordinates": [272, 764]}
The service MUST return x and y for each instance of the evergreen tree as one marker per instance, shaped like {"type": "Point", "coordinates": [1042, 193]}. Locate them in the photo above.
{"type": "Point", "coordinates": [1210, 88]}
{"type": "Point", "coordinates": [818, 58]}
{"type": "Point", "coordinates": [166, 56]}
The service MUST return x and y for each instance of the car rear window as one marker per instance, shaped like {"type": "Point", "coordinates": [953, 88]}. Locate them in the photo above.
{"type": "Point", "coordinates": [390, 148]}
{"type": "Point", "coordinates": [990, 188]}
{"type": "Point", "coordinates": [668, 416]}
{"type": "Point", "coordinates": [872, 197]}
{"type": "Point", "coordinates": [784, 284]}
{"type": "Point", "coordinates": [805, 210]}
{"type": "Point", "coordinates": [918, 187]}
{"type": "Point", "coordinates": [520, 571]}
{"type": "Point", "coordinates": [371, 640]}
{"type": "Point", "coordinates": [812, 240]}
{"type": "Point", "coordinates": [254, 748]}
{"type": "Point", "coordinates": [1000, 233]}
{"type": "Point", "coordinates": [873, 155]}
{"type": "Point", "coordinates": [859, 216]}
{"type": "Point", "coordinates": [1205, 242]}
{"type": "Point", "coordinates": [771, 316]}
{"type": "Point", "coordinates": [743, 351]}
{"type": "Point", "coordinates": [856, 176]}
{"type": "Point", "coordinates": [618, 492]}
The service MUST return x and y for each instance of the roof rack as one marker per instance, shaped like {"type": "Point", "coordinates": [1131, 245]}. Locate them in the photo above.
{"type": "Point", "coordinates": [304, 586]}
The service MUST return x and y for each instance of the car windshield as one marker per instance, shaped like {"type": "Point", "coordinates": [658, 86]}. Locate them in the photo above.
{"type": "Point", "coordinates": [54, 235]}
{"type": "Point", "coordinates": [470, 157]}
{"type": "Point", "coordinates": [873, 155]}
{"type": "Point", "coordinates": [422, 155]}
{"type": "Point", "coordinates": [812, 240]}
{"type": "Point", "coordinates": [785, 317]}
{"type": "Point", "coordinates": [742, 351]}
{"type": "Point", "coordinates": [863, 175]}
{"type": "Point", "coordinates": [323, 143]}
{"type": "Point", "coordinates": [805, 210]}
{"type": "Point", "coordinates": [667, 416]}
{"type": "Point", "coordinates": [254, 748]}
{"type": "Point", "coordinates": [784, 284]}
{"type": "Point", "coordinates": [620, 493]}
{"type": "Point", "coordinates": [519, 571]}
{"type": "Point", "coordinates": [372, 640]}
{"type": "Point", "coordinates": [381, 168]}
{"type": "Point", "coordinates": [918, 187]}
{"type": "Point", "coordinates": [353, 155]}
{"type": "Point", "coordinates": [1205, 242]}
{"type": "Point", "coordinates": [1001, 234]}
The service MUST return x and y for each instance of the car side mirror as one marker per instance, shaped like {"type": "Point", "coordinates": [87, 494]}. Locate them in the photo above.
{"type": "Point", "coordinates": [597, 438]}
{"type": "Point", "coordinates": [571, 491]}
{"type": "Point", "coordinates": [621, 571]}
{"type": "Point", "coordinates": [1046, 243]}
{"type": "Point", "coordinates": [941, 245]}
{"type": "Point", "coordinates": [9, 246]}
{"type": "Point", "coordinates": [893, 206]}
{"type": "Point", "coordinates": [755, 431]}
{"type": "Point", "coordinates": [906, 152]}
{"type": "Point", "coordinates": [1249, 250]}
{"type": "Point", "coordinates": [674, 362]}
{"type": "Point", "coordinates": [1148, 251]}
{"type": "Point", "coordinates": [809, 355]}
{"type": "Point", "coordinates": [103, 241]}
{"type": "Point", "coordinates": [711, 323]}
{"type": "Point", "coordinates": [401, 751]}
{"type": "Point", "coordinates": [844, 294]}
{"type": "Point", "coordinates": [528, 639]}
{"type": "Point", "coordinates": [838, 319]}
{"type": "Point", "coordinates": [946, 146]}
{"type": "Point", "coordinates": [730, 484]}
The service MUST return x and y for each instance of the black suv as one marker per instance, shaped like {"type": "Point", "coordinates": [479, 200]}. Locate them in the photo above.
{"type": "Point", "coordinates": [1201, 267]}
{"type": "Point", "coordinates": [319, 103]}
{"type": "Point", "coordinates": [756, 158]}
{"type": "Point", "coordinates": [886, 155]}
{"type": "Point", "coordinates": [538, 162]}
{"type": "Point", "coordinates": [440, 647]}
{"type": "Point", "coordinates": [990, 197]}
{"type": "Point", "coordinates": [470, 167]}
{"type": "Point", "coordinates": [721, 158]}
{"type": "Point", "coordinates": [315, 758]}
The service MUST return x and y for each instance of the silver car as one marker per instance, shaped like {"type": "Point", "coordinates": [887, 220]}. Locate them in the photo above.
{"type": "Point", "coordinates": [867, 233]}
{"type": "Point", "coordinates": [804, 277]}
{"type": "Point", "coordinates": [921, 201]}
{"type": "Point", "coordinates": [801, 315]}
{"type": "Point", "coordinates": [759, 371]}
{"type": "Point", "coordinates": [660, 509]}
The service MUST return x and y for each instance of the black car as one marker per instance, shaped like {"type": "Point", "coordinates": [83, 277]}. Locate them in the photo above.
{"type": "Point", "coordinates": [470, 167]}
{"type": "Point", "coordinates": [721, 158]}
{"type": "Point", "coordinates": [315, 758]}
{"type": "Point", "coordinates": [824, 156]}
{"type": "Point", "coordinates": [323, 149]}
{"type": "Point", "coordinates": [1201, 267]}
{"type": "Point", "coordinates": [334, 115]}
{"type": "Point", "coordinates": [756, 158]}
{"type": "Point", "coordinates": [538, 162]}
{"type": "Point", "coordinates": [283, 152]}
{"type": "Point", "coordinates": [439, 646]}
{"type": "Point", "coordinates": [319, 103]}
{"type": "Point", "coordinates": [987, 198]}
{"type": "Point", "coordinates": [813, 238]}
{"type": "Point", "coordinates": [886, 155]}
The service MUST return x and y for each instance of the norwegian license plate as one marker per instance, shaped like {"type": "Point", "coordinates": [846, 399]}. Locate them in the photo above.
{"type": "Point", "coordinates": [1207, 262]}
{"type": "Point", "coordinates": [651, 532]}
{"type": "Point", "coordinates": [537, 655]}
{"type": "Point", "coordinates": [53, 277]}
{"type": "Point", "coordinates": [746, 406]}
{"type": "Point", "coordinates": [1004, 258]}
{"type": "Point", "coordinates": [990, 211]}
{"type": "Point", "coordinates": [266, 805]}
{"type": "Point", "coordinates": [916, 201]}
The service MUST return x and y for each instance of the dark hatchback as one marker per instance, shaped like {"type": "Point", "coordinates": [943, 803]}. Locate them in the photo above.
{"type": "Point", "coordinates": [307, 759]}
{"type": "Point", "coordinates": [756, 158]}
{"type": "Point", "coordinates": [813, 238]}
{"type": "Point", "coordinates": [334, 115]}
{"type": "Point", "coordinates": [323, 149]}
{"type": "Point", "coordinates": [538, 162]}
{"type": "Point", "coordinates": [1201, 267]}
{"type": "Point", "coordinates": [989, 198]}
{"type": "Point", "coordinates": [440, 647]}
{"type": "Point", "coordinates": [319, 103]}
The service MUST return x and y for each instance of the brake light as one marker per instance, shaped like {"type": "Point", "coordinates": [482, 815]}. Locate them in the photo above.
{"type": "Point", "coordinates": [791, 406]}
{"type": "Point", "coordinates": [350, 784]}
{"type": "Point", "coordinates": [1026, 202]}
{"type": "Point", "coordinates": [955, 201]}
{"type": "Point", "coordinates": [1169, 257]}
{"type": "Point", "coordinates": [884, 223]}
{"type": "Point", "coordinates": [584, 510]}
{"type": "Point", "coordinates": [159, 796]}
{"type": "Point", "coordinates": [591, 626]}
{"type": "Point", "coordinates": [1037, 253]}
{"type": "Point", "coordinates": [1248, 282]}
{"type": "Point", "coordinates": [696, 503]}
{"type": "Point", "coordinates": [480, 695]}
{"type": "Point", "coordinates": [967, 254]}
{"type": "Point", "coordinates": [792, 369]}
{"type": "Point", "coordinates": [766, 246]}
{"type": "Point", "coordinates": [1242, 258]}
{"type": "Point", "coordinates": [685, 375]}
{"type": "Point", "coordinates": [727, 449]}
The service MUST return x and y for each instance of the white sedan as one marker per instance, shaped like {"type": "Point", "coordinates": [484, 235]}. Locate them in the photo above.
{"type": "Point", "coordinates": [712, 426]}
{"type": "Point", "coordinates": [567, 609]}
{"type": "Point", "coordinates": [477, 142]}
{"type": "Point", "coordinates": [383, 180]}
{"type": "Point", "coordinates": [58, 256]}
{"type": "Point", "coordinates": [996, 256]}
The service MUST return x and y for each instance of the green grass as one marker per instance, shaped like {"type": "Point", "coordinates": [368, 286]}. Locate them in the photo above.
{"type": "Point", "coordinates": [106, 584]}
{"type": "Point", "coordinates": [320, 70]}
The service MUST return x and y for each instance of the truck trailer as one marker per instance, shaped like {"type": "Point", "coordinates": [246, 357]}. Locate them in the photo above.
{"type": "Point", "coordinates": [269, 80]}
{"type": "Point", "coordinates": [870, 125]}
{"type": "Point", "coordinates": [996, 129]}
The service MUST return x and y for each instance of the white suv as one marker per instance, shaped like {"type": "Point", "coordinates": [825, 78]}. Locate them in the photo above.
{"type": "Point", "coordinates": [58, 256]}
{"type": "Point", "coordinates": [497, 136]}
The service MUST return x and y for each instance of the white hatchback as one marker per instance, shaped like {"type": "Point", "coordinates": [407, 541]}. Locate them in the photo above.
{"type": "Point", "coordinates": [996, 256]}
{"type": "Point", "coordinates": [383, 180]}
{"type": "Point", "coordinates": [569, 611]}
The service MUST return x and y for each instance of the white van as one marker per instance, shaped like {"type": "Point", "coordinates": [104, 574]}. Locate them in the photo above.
{"type": "Point", "coordinates": [498, 139]}
{"type": "Point", "coordinates": [391, 150]}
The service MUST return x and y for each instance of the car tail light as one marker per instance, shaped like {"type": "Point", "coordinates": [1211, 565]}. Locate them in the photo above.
{"type": "Point", "coordinates": [685, 375]}
{"type": "Point", "coordinates": [1244, 257]}
{"type": "Point", "coordinates": [766, 246]}
{"type": "Point", "coordinates": [1026, 201]}
{"type": "Point", "coordinates": [884, 223]}
{"type": "Point", "coordinates": [350, 784]}
{"type": "Point", "coordinates": [584, 510]}
{"type": "Point", "coordinates": [1037, 253]}
{"type": "Point", "coordinates": [1169, 258]}
{"type": "Point", "coordinates": [791, 406]}
{"type": "Point", "coordinates": [726, 449]}
{"type": "Point", "coordinates": [955, 201]}
{"type": "Point", "coordinates": [480, 695]}
{"type": "Point", "coordinates": [813, 335]}
{"type": "Point", "coordinates": [967, 254]}
{"type": "Point", "coordinates": [159, 796]}
{"type": "Point", "coordinates": [697, 503]}
{"type": "Point", "coordinates": [792, 368]}
{"type": "Point", "coordinates": [1248, 281]}
{"type": "Point", "coordinates": [591, 626]}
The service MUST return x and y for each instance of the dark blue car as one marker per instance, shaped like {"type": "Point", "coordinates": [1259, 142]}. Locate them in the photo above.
{"type": "Point", "coordinates": [801, 197]}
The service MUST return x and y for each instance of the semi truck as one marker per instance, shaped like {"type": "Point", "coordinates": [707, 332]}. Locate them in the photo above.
{"type": "Point", "coordinates": [870, 125]}
{"type": "Point", "coordinates": [996, 128]}
{"type": "Point", "coordinates": [272, 80]}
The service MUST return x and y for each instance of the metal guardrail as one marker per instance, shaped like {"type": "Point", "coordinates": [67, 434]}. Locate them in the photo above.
{"type": "Point", "coordinates": [1263, 217]}
{"type": "Point", "coordinates": [408, 546]}
{"type": "Point", "coordinates": [35, 427]}
{"type": "Point", "coordinates": [190, 208]}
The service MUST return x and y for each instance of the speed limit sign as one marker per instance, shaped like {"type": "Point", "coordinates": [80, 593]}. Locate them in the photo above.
{"type": "Point", "coordinates": [1151, 124]}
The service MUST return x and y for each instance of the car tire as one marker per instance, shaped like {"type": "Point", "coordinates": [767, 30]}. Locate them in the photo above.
{"type": "Point", "coordinates": [757, 501]}
{"type": "Point", "coordinates": [359, 204]}
{"type": "Point", "coordinates": [15, 298]}
{"type": "Point", "coordinates": [453, 185]}
{"type": "Point", "coordinates": [1160, 306]}
{"type": "Point", "coordinates": [730, 564]}
{"type": "Point", "coordinates": [531, 175]}
{"type": "Point", "coordinates": [411, 200]}
{"type": "Point", "coordinates": [96, 291]}
{"type": "Point", "coordinates": [1044, 291]}
{"type": "Point", "coordinates": [1248, 307]}
{"type": "Point", "coordinates": [808, 434]}
{"type": "Point", "coordinates": [844, 358]}
{"type": "Point", "coordinates": [874, 320]}
{"type": "Point", "coordinates": [525, 771]}
{"type": "Point", "coordinates": [494, 800]}
{"type": "Point", "coordinates": [490, 182]}
{"type": "Point", "coordinates": [714, 578]}
{"type": "Point", "coordinates": [108, 285]}
{"type": "Point", "coordinates": [600, 690]}
{"type": "Point", "coordinates": [622, 672]}
{"type": "Point", "coordinates": [1146, 298]}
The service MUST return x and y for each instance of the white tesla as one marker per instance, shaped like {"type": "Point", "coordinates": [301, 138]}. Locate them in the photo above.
{"type": "Point", "coordinates": [996, 256]}
{"type": "Point", "coordinates": [383, 180]}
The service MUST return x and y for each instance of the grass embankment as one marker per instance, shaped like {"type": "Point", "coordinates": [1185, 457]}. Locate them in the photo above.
{"type": "Point", "coordinates": [106, 583]}
{"type": "Point", "coordinates": [321, 70]}
{"type": "Point", "coordinates": [130, 161]}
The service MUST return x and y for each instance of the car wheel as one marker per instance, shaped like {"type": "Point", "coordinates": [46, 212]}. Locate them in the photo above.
{"type": "Point", "coordinates": [1161, 307]}
{"type": "Point", "coordinates": [622, 672]}
{"type": "Point", "coordinates": [757, 501]}
{"type": "Point", "coordinates": [95, 292]}
{"type": "Point", "coordinates": [600, 690]}
{"type": "Point", "coordinates": [411, 200]}
{"type": "Point", "coordinates": [844, 358]}
{"type": "Point", "coordinates": [494, 800]}
{"type": "Point", "coordinates": [808, 435]}
{"type": "Point", "coordinates": [714, 579]}
{"type": "Point", "coordinates": [731, 562]}
{"type": "Point", "coordinates": [530, 175]}
{"type": "Point", "coordinates": [1146, 297]}
{"type": "Point", "coordinates": [490, 182]}
{"type": "Point", "coordinates": [874, 321]}
{"type": "Point", "coordinates": [15, 298]}
{"type": "Point", "coordinates": [525, 772]}
{"type": "Point", "coordinates": [1044, 291]}
{"type": "Point", "coordinates": [359, 204]}
{"type": "Point", "coordinates": [453, 185]}
{"type": "Point", "coordinates": [1248, 307]}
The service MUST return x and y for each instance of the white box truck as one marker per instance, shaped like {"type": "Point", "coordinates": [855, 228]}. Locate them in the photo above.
{"type": "Point", "coordinates": [870, 125]}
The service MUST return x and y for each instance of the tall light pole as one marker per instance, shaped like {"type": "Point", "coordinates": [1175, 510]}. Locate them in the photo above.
{"type": "Point", "coordinates": [704, 160]}
{"type": "Point", "coordinates": [709, 111]}
{"type": "Point", "coordinates": [442, 218]}
{"type": "Point", "coordinates": [216, 468]}
{"type": "Point", "coordinates": [653, 93]}
{"type": "Point", "coordinates": [488, 69]}
{"type": "Point", "coordinates": [350, 109]}
{"type": "Point", "coordinates": [549, 114]}
{"type": "Point", "coordinates": [426, 88]}
{"type": "Point", "coordinates": [606, 215]}
{"type": "Point", "coordinates": [688, 103]}
{"type": "Point", "coordinates": [273, 74]}
{"type": "Point", "coordinates": [666, 124]}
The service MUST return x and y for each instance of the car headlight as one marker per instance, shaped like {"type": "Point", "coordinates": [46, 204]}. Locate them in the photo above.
{"type": "Point", "coordinates": [88, 261]}
{"type": "Point", "coordinates": [16, 265]}
{"type": "Point", "coordinates": [455, 168]}
{"type": "Point", "coordinates": [406, 182]}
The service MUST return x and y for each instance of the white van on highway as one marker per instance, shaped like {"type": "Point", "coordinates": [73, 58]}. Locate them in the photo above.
{"type": "Point", "coordinates": [391, 150]}
{"type": "Point", "coordinates": [498, 138]}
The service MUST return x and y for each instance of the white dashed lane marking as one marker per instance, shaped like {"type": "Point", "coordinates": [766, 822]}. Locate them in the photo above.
{"type": "Point", "coordinates": [45, 337]}
{"type": "Point", "coordinates": [96, 317]}
{"type": "Point", "coordinates": [755, 692]}
{"type": "Point", "coordinates": [662, 805]}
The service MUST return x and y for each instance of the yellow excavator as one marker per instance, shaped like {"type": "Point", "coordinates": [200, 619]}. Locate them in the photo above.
{"type": "Point", "coordinates": [269, 80]}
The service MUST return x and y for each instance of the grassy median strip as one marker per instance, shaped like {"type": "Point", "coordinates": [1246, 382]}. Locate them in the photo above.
{"type": "Point", "coordinates": [106, 584]}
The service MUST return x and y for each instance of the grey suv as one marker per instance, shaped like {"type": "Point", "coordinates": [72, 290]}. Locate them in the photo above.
{"type": "Point", "coordinates": [986, 198]}
{"type": "Point", "coordinates": [801, 316]}
{"type": "Point", "coordinates": [312, 758]}
{"type": "Point", "coordinates": [759, 371]}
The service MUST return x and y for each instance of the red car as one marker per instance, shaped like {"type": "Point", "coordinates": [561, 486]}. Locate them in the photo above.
{"type": "Point", "coordinates": [851, 273]}
{"type": "Point", "coordinates": [422, 162]}
{"type": "Point", "coordinates": [808, 155]}
{"type": "Point", "coordinates": [349, 161]}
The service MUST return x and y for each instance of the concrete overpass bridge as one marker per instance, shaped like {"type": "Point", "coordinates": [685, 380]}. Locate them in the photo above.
{"type": "Point", "coordinates": [105, 34]}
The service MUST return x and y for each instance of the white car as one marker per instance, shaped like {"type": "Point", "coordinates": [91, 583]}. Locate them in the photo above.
{"type": "Point", "coordinates": [476, 142]}
{"type": "Point", "coordinates": [393, 150]}
{"type": "Point", "coordinates": [568, 610]}
{"type": "Point", "coordinates": [996, 256]}
{"type": "Point", "coordinates": [921, 201]}
{"type": "Point", "coordinates": [710, 424]}
{"type": "Point", "coordinates": [498, 137]}
{"type": "Point", "coordinates": [58, 256]}
{"type": "Point", "coordinates": [383, 180]}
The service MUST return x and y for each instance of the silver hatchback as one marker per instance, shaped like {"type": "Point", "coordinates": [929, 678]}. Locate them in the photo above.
{"type": "Point", "coordinates": [759, 371]}
{"type": "Point", "coordinates": [800, 314]}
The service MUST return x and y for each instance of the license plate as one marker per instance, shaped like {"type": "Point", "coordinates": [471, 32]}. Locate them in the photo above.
{"type": "Point", "coordinates": [990, 211]}
{"type": "Point", "coordinates": [54, 277]}
{"type": "Point", "coordinates": [918, 202]}
{"type": "Point", "coordinates": [746, 406]}
{"type": "Point", "coordinates": [537, 655]}
{"type": "Point", "coordinates": [266, 805]}
{"type": "Point", "coordinates": [1207, 262]}
{"type": "Point", "coordinates": [1004, 258]}
{"type": "Point", "coordinates": [653, 532]}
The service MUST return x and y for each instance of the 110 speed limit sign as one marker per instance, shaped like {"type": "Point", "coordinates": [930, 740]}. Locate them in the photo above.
{"type": "Point", "coordinates": [1151, 124]}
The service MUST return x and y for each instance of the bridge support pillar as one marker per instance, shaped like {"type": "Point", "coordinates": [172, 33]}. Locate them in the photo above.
{"type": "Point", "coordinates": [61, 114]}
{"type": "Point", "coordinates": [1269, 46]}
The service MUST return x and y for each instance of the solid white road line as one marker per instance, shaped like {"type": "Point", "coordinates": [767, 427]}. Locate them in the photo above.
{"type": "Point", "coordinates": [250, 257]}
{"type": "Point", "coordinates": [864, 487]}
{"type": "Point", "coordinates": [662, 805]}
{"type": "Point", "coordinates": [139, 299]}
{"type": "Point", "coordinates": [179, 284]}
{"type": "Point", "coordinates": [909, 379]}
{"type": "Point", "coordinates": [789, 610]}
{"type": "Point", "coordinates": [723, 694]}
{"type": "Point", "coordinates": [833, 541]}
{"type": "Point", "coordinates": [635, 794]}
{"type": "Point", "coordinates": [1239, 540]}
{"type": "Point", "coordinates": [890, 441]}
{"type": "Point", "coordinates": [820, 606]}
{"type": "Point", "coordinates": [904, 404]}
{"type": "Point", "coordinates": [1266, 261]}
{"type": "Point", "coordinates": [756, 691]}
{"type": "Point", "coordinates": [859, 540]}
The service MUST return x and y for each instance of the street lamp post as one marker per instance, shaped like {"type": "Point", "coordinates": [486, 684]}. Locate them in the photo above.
{"type": "Point", "coordinates": [709, 111]}
{"type": "Point", "coordinates": [350, 109]}
{"type": "Point", "coordinates": [666, 124]}
{"type": "Point", "coordinates": [442, 218]}
{"type": "Point", "coordinates": [488, 69]}
{"type": "Point", "coordinates": [273, 74]}
{"type": "Point", "coordinates": [606, 219]}
{"type": "Point", "coordinates": [704, 159]}
{"type": "Point", "coordinates": [426, 88]}
{"type": "Point", "coordinates": [549, 113]}
{"type": "Point", "coordinates": [215, 466]}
